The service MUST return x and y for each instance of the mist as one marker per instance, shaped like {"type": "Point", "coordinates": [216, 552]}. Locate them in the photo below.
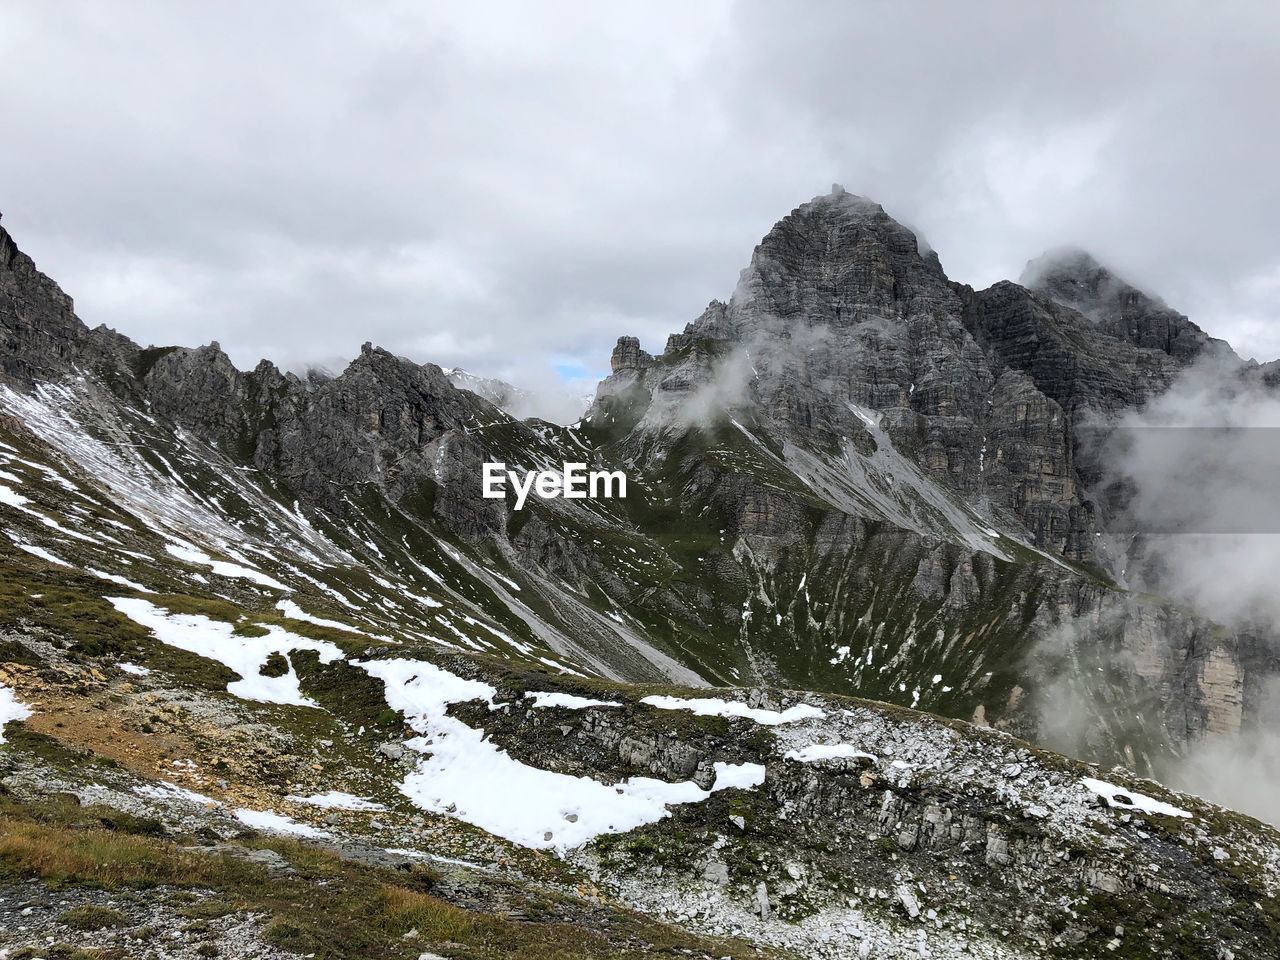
{"type": "Point", "coordinates": [1241, 771]}
{"type": "Point", "coordinates": [1200, 521]}
{"type": "Point", "coordinates": [1188, 503]}
{"type": "Point", "coordinates": [544, 395]}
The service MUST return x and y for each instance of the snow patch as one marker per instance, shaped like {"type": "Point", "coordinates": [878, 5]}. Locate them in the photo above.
{"type": "Point", "coordinates": [276, 823]}
{"type": "Point", "coordinates": [869, 418]}
{"type": "Point", "coordinates": [190, 554]}
{"type": "Point", "coordinates": [460, 768]}
{"type": "Point", "coordinates": [295, 612]}
{"type": "Point", "coordinates": [568, 700]}
{"type": "Point", "coordinates": [40, 552]}
{"type": "Point", "coordinates": [216, 640]}
{"type": "Point", "coordinates": [827, 751]}
{"type": "Point", "coordinates": [337, 800]}
{"type": "Point", "coordinates": [116, 578]}
{"type": "Point", "coordinates": [1128, 800]}
{"type": "Point", "coordinates": [11, 498]}
{"type": "Point", "coordinates": [10, 709]}
{"type": "Point", "coordinates": [507, 580]}
{"type": "Point", "coordinates": [171, 791]}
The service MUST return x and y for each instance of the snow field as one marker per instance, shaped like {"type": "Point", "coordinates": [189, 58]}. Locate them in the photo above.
{"type": "Point", "coordinates": [461, 773]}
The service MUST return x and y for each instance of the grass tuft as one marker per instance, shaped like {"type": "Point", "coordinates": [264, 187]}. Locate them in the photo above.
{"type": "Point", "coordinates": [90, 917]}
{"type": "Point", "coordinates": [404, 910]}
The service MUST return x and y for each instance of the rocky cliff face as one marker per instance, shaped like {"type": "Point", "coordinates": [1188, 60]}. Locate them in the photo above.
{"type": "Point", "coordinates": [377, 422]}
{"type": "Point", "coordinates": [840, 313]}
{"type": "Point", "coordinates": [854, 476]}
{"type": "Point", "coordinates": [42, 337]}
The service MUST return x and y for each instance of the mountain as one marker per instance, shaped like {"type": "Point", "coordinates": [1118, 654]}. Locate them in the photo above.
{"type": "Point", "coordinates": [241, 605]}
{"type": "Point", "coordinates": [894, 455]}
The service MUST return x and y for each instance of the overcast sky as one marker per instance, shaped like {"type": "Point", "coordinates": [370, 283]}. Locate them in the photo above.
{"type": "Point", "coordinates": [510, 187]}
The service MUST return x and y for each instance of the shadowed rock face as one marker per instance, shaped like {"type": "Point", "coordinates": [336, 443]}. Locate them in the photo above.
{"type": "Point", "coordinates": [853, 476]}
{"type": "Point", "coordinates": [40, 335]}
{"type": "Point", "coordinates": [374, 422]}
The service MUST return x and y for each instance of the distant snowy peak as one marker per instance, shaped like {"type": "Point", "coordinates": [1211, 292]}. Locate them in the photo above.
{"type": "Point", "coordinates": [501, 394]}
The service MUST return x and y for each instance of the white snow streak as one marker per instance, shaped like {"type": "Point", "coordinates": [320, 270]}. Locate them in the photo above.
{"type": "Point", "coordinates": [337, 800]}
{"type": "Point", "coordinates": [295, 612]}
{"type": "Point", "coordinates": [714, 707]}
{"type": "Point", "coordinates": [276, 823]}
{"type": "Point", "coordinates": [567, 700]}
{"type": "Point", "coordinates": [827, 751]}
{"type": "Point", "coordinates": [185, 551]}
{"type": "Point", "coordinates": [171, 791]}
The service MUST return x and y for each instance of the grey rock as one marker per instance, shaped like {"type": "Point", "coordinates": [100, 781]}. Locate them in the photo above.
{"type": "Point", "coordinates": [907, 897]}
{"type": "Point", "coordinates": [1073, 278]}
{"type": "Point", "coordinates": [267, 858]}
{"type": "Point", "coordinates": [392, 751]}
{"type": "Point", "coordinates": [762, 900]}
{"type": "Point", "coordinates": [715, 871]}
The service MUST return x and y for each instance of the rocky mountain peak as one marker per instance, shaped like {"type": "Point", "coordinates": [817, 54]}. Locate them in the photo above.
{"type": "Point", "coordinates": [627, 355]}
{"type": "Point", "coordinates": [849, 249]}
{"type": "Point", "coordinates": [1071, 272]}
{"type": "Point", "coordinates": [831, 263]}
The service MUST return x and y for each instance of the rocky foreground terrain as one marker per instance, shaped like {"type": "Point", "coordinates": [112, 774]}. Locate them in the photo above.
{"type": "Point", "coordinates": [276, 680]}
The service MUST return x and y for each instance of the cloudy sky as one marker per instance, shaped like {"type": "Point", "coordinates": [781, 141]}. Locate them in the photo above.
{"type": "Point", "coordinates": [510, 186]}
